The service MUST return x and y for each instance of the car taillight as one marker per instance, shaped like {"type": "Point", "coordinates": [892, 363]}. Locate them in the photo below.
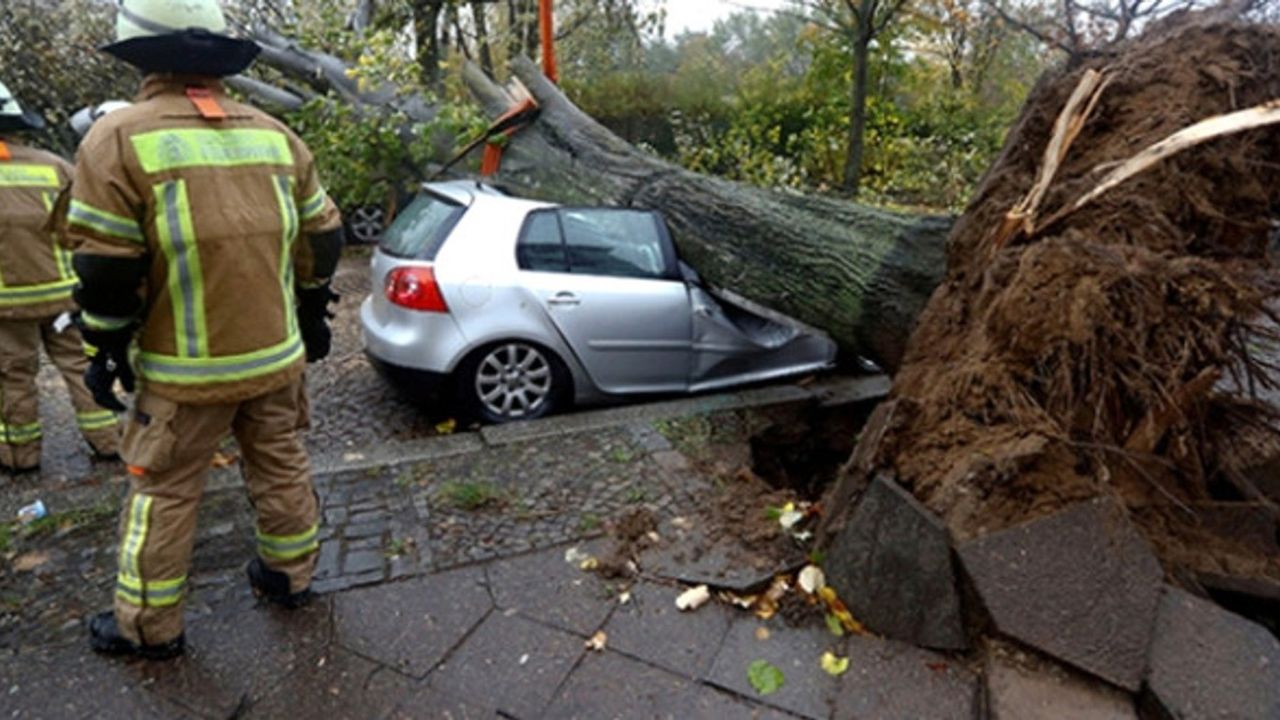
{"type": "Point", "coordinates": [415, 288]}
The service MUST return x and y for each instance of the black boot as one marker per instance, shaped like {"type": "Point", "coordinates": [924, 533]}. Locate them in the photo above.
{"type": "Point", "coordinates": [105, 637]}
{"type": "Point", "coordinates": [274, 586]}
{"type": "Point", "coordinates": [16, 471]}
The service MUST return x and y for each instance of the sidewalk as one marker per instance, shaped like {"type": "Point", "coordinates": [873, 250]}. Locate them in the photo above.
{"type": "Point", "coordinates": [447, 594]}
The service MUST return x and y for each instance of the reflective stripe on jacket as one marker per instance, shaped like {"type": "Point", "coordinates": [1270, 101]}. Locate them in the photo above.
{"type": "Point", "coordinates": [218, 206]}
{"type": "Point", "coordinates": [35, 272]}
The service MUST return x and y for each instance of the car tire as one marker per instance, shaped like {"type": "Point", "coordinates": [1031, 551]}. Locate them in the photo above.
{"type": "Point", "coordinates": [511, 381]}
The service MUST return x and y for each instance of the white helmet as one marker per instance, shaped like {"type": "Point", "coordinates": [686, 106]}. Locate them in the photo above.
{"type": "Point", "coordinates": [85, 117]}
{"type": "Point", "coordinates": [178, 36]}
{"type": "Point", "coordinates": [13, 117]}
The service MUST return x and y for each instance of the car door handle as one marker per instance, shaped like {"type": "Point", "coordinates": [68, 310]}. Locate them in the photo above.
{"type": "Point", "coordinates": [564, 298]}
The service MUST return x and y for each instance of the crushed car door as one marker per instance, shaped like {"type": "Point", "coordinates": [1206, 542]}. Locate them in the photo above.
{"type": "Point", "coordinates": [613, 291]}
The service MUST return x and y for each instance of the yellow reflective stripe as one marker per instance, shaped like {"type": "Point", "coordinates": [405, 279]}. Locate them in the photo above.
{"type": "Point", "coordinates": [22, 175]}
{"type": "Point", "coordinates": [289, 234]}
{"type": "Point", "coordinates": [96, 420]}
{"type": "Point", "coordinates": [135, 535]}
{"type": "Point", "coordinates": [197, 371]}
{"type": "Point", "coordinates": [161, 150]}
{"type": "Point", "coordinates": [175, 232]}
{"type": "Point", "coordinates": [36, 294]}
{"type": "Point", "coordinates": [101, 322]}
{"type": "Point", "coordinates": [313, 205]}
{"type": "Point", "coordinates": [20, 434]}
{"type": "Point", "coordinates": [154, 593]}
{"type": "Point", "coordinates": [103, 222]}
{"type": "Point", "coordinates": [288, 547]}
{"type": "Point", "coordinates": [60, 254]}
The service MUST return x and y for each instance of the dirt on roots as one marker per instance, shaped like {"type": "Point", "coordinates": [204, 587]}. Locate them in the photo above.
{"type": "Point", "coordinates": [1036, 363]}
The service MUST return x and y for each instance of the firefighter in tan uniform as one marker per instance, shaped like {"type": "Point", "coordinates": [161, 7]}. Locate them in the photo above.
{"type": "Point", "coordinates": [204, 246]}
{"type": "Point", "coordinates": [36, 280]}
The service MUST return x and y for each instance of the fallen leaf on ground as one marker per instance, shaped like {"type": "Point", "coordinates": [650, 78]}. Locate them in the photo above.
{"type": "Point", "coordinates": [693, 598]}
{"type": "Point", "coordinates": [589, 564]}
{"type": "Point", "coordinates": [447, 427]}
{"type": "Point", "coordinates": [682, 523]}
{"type": "Point", "coordinates": [762, 633]}
{"type": "Point", "coordinates": [224, 459]}
{"type": "Point", "coordinates": [835, 626]}
{"type": "Point", "coordinates": [624, 598]}
{"type": "Point", "coordinates": [524, 658]}
{"type": "Point", "coordinates": [834, 665]}
{"type": "Point", "coordinates": [574, 556]}
{"type": "Point", "coordinates": [30, 561]}
{"type": "Point", "coordinates": [765, 678]}
{"type": "Point", "coordinates": [811, 579]}
{"type": "Point", "coordinates": [597, 642]}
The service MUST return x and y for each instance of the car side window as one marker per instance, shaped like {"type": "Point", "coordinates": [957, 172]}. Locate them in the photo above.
{"type": "Point", "coordinates": [541, 247]}
{"type": "Point", "coordinates": [615, 242]}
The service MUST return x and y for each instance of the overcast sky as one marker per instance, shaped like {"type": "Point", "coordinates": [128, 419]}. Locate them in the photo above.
{"type": "Point", "coordinates": [698, 15]}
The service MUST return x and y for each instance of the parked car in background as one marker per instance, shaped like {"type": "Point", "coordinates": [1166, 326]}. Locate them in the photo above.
{"type": "Point", "coordinates": [516, 308]}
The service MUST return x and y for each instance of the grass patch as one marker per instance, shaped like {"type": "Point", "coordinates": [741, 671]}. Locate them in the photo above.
{"type": "Point", "coordinates": [472, 495]}
{"type": "Point", "coordinates": [636, 495]}
{"type": "Point", "coordinates": [622, 455]}
{"type": "Point", "coordinates": [588, 522]}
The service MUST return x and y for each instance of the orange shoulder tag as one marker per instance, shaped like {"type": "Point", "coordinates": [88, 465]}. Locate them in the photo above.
{"type": "Point", "coordinates": [4, 152]}
{"type": "Point", "coordinates": [206, 103]}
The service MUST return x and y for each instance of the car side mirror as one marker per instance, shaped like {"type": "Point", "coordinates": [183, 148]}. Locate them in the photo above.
{"type": "Point", "coordinates": [690, 275]}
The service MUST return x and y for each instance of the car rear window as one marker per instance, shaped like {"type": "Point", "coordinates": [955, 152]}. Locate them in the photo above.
{"type": "Point", "coordinates": [420, 230]}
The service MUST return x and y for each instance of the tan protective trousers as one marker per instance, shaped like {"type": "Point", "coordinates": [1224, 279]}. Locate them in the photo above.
{"type": "Point", "coordinates": [20, 433]}
{"type": "Point", "coordinates": [169, 447]}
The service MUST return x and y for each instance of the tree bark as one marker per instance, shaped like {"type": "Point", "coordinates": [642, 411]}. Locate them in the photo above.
{"type": "Point", "coordinates": [857, 116]}
{"type": "Point", "coordinates": [478, 15]}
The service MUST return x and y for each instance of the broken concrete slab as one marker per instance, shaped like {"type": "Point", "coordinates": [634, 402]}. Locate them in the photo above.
{"type": "Point", "coordinates": [545, 587]}
{"type": "Point", "coordinates": [513, 663]}
{"type": "Point", "coordinates": [887, 680]}
{"type": "Point", "coordinates": [412, 625]}
{"type": "Point", "coordinates": [650, 627]}
{"type": "Point", "coordinates": [608, 685]}
{"type": "Point", "coordinates": [338, 685]}
{"type": "Point", "coordinates": [1023, 687]}
{"type": "Point", "coordinates": [1081, 586]}
{"type": "Point", "coordinates": [689, 555]}
{"type": "Point", "coordinates": [1207, 662]}
{"type": "Point", "coordinates": [807, 689]}
{"type": "Point", "coordinates": [891, 564]}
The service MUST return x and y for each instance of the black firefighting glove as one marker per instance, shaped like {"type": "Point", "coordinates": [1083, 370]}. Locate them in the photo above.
{"type": "Point", "coordinates": [108, 352]}
{"type": "Point", "coordinates": [313, 320]}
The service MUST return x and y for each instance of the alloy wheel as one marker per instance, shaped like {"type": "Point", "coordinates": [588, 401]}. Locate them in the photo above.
{"type": "Point", "coordinates": [514, 381]}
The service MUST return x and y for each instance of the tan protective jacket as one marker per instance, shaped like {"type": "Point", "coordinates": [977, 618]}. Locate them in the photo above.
{"type": "Point", "coordinates": [217, 204]}
{"type": "Point", "coordinates": [35, 272]}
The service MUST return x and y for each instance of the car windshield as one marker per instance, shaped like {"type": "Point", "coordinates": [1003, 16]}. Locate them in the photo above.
{"type": "Point", "coordinates": [420, 230]}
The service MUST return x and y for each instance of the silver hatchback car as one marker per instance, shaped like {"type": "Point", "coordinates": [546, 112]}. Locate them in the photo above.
{"type": "Point", "coordinates": [520, 307]}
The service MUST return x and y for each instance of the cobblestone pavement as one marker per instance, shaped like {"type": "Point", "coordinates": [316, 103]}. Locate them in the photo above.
{"type": "Point", "coordinates": [445, 593]}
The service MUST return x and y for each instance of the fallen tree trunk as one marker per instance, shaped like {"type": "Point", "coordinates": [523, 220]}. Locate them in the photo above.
{"type": "Point", "coordinates": [859, 273]}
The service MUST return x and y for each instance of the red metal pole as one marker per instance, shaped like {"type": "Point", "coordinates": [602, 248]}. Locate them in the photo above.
{"type": "Point", "coordinates": [547, 27]}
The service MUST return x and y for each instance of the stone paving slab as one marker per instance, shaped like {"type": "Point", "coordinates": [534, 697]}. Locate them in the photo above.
{"type": "Point", "coordinates": [690, 556]}
{"type": "Point", "coordinates": [543, 587]}
{"type": "Point", "coordinates": [1081, 585]}
{"type": "Point", "coordinates": [412, 625]}
{"type": "Point", "coordinates": [1019, 688]}
{"type": "Point", "coordinates": [888, 680]}
{"type": "Point", "coordinates": [651, 628]}
{"type": "Point", "coordinates": [807, 691]}
{"type": "Point", "coordinates": [70, 683]}
{"type": "Point", "coordinates": [1207, 662]}
{"type": "Point", "coordinates": [512, 663]}
{"type": "Point", "coordinates": [892, 563]}
{"type": "Point", "coordinates": [608, 686]}
{"type": "Point", "coordinates": [427, 702]}
{"type": "Point", "coordinates": [337, 685]}
{"type": "Point", "coordinates": [238, 635]}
